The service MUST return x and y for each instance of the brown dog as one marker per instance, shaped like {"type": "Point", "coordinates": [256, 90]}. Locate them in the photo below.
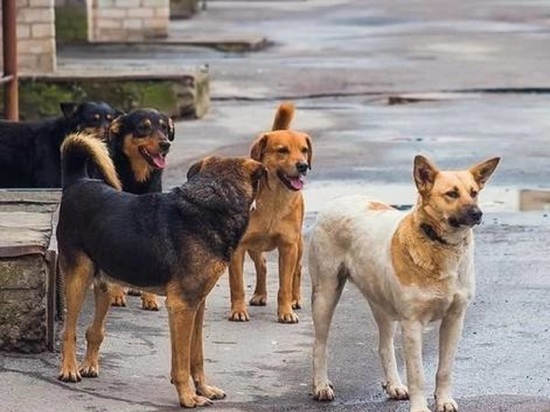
{"type": "Point", "coordinates": [276, 222]}
{"type": "Point", "coordinates": [177, 243]}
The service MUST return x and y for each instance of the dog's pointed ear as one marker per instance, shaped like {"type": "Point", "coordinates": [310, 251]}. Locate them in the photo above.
{"type": "Point", "coordinates": [171, 130]}
{"type": "Point", "coordinates": [195, 168]}
{"type": "Point", "coordinates": [309, 151]}
{"type": "Point", "coordinates": [483, 171]}
{"type": "Point", "coordinates": [258, 147]}
{"type": "Point", "coordinates": [115, 128]}
{"type": "Point", "coordinates": [68, 109]}
{"type": "Point", "coordinates": [424, 174]}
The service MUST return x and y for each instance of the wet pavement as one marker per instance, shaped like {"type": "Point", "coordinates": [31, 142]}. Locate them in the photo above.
{"type": "Point", "coordinates": [342, 61]}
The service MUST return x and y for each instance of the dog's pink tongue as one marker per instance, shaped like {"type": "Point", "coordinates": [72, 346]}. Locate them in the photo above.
{"type": "Point", "coordinates": [159, 161]}
{"type": "Point", "coordinates": [296, 182]}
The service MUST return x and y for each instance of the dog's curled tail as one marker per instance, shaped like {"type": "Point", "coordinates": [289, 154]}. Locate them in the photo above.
{"type": "Point", "coordinates": [78, 150]}
{"type": "Point", "coordinates": [283, 117]}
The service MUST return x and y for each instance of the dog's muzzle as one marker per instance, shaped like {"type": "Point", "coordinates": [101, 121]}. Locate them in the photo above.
{"type": "Point", "coordinates": [470, 217]}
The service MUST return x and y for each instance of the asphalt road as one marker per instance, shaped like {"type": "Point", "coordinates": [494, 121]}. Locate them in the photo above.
{"type": "Point", "coordinates": [341, 61]}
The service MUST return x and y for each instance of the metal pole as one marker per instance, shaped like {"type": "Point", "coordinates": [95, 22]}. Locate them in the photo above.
{"type": "Point", "coordinates": [9, 33]}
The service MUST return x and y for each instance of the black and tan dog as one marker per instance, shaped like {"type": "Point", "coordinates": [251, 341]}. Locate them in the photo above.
{"type": "Point", "coordinates": [177, 243]}
{"type": "Point", "coordinates": [138, 143]}
{"type": "Point", "coordinates": [29, 151]}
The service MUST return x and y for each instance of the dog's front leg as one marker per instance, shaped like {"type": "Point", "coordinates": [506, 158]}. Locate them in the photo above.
{"type": "Point", "coordinates": [412, 343]}
{"type": "Point", "coordinates": [236, 286]}
{"type": "Point", "coordinates": [181, 318]}
{"type": "Point", "coordinates": [449, 335]}
{"type": "Point", "coordinates": [288, 256]}
{"type": "Point", "coordinates": [197, 360]}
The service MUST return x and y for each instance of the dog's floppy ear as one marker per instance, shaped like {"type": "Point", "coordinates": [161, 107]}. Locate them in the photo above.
{"type": "Point", "coordinates": [483, 171]}
{"type": "Point", "coordinates": [257, 169]}
{"type": "Point", "coordinates": [68, 109]}
{"type": "Point", "coordinates": [309, 152]}
{"type": "Point", "coordinates": [258, 148]}
{"type": "Point", "coordinates": [424, 174]}
{"type": "Point", "coordinates": [171, 130]}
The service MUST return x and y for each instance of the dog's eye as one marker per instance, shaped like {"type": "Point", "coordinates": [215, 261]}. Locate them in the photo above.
{"type": "Point", "coordinates": [473, 193]}
{"type": "Point", "coordinates": [283, 150]}
{"type": "Point", "coordinates": [304, 150]}
{"type": "Point", "coordinates": [453, 194]}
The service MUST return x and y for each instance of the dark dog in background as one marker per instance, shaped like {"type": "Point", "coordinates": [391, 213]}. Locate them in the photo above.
{"type": "Point", "coordinates": [29, 151]}
{"type": "Point", "coordinates": [138, 143]}
{"type": "Point", "coordinates": [177, 243]}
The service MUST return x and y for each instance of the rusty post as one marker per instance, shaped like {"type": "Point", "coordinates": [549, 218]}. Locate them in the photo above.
{"type": "Point", "coordinates": [9, 35]}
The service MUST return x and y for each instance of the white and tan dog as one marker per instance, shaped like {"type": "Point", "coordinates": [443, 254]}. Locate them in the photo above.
{"type": "Point", "coordinates": [413, 268]}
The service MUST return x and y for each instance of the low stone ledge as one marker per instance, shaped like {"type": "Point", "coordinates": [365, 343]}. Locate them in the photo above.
{"type": "Point", "coordinates": [179, 95]}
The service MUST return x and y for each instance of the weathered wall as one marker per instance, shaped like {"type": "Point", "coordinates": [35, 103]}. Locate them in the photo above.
{"type": "Point", "coordinates": [36, 36]}
{"type": "Point", "coordinates": [127, 20]}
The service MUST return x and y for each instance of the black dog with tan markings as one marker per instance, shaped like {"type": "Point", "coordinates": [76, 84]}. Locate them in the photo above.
{"type": "Point", "coordinates": [177, 244]}
{"type": "Point", "coordinates": [139, 142]}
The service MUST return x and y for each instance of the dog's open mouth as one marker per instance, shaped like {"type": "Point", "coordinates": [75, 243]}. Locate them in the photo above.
{"type": "Point", "coordinates": [156, 160]}
{"type": "Point", "coordinates": [295, 183]}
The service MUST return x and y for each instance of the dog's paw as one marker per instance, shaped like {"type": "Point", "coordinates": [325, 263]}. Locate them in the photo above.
{"type": "Point", "coordinates": [89, 369]}
{"type": "Point", "coordinates": [192, 401]}
{"type": "Point", "coordinates": [69, 373]}
{"type": "Point", "coordinates": [258, 300]}
{"type": "Point", "coordinates": [297, 304]}
{"type": "Point", "coordinates": [134, 292]}
{"type": "Point", "coordinates": [239, 315]}
{"type": "Point", "coordinates": [396, 390]}
{"type": "Point", "coordinates": [288, 317]}
{"type": "Point", "coordinates": [211, 392]}
{"type": "Point", "coordinates": [118, 299]}
{"type": "Point", "coordinates": [446, 404]}
{"type": "Point", "coordinates": [323, 392]}
{"type": "Point", "coordinates": [149, 302]}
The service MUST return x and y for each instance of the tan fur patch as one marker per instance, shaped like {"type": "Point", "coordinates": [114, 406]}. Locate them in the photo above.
{"type": "Point", "coordinates": [416, 260]}
{"type": "Point", "coordinates": [379, 206]}
{"type": "Point", "coordinates": [140, 166]}
{"type": "Point", "coordinates": [98, 151]}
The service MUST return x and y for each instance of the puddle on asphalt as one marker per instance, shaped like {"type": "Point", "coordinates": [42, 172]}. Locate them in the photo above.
{"type": "Point", "coordinates": [492, 199]}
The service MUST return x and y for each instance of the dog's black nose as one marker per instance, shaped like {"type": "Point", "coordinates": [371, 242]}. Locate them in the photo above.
{"type": "Point", "coordinates": [474, 214]}
{"type": "Point", "coordinates": [302, 167]}
{"type": "Point", "coordinates": [164, 146]}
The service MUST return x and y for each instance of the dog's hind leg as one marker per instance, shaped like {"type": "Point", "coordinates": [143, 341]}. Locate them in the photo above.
{"type": "Point", "coordinates": [96, 331]}
{"type": "Point", "coordinates": [181, 317]}
{"type": "Point", "coordinates": [297, 278]}
{"type": "Point", "coordinates": [386, 327]}
{"type": "Point", "coordinates": [236, 285]}
{"type": "Point", "coordinates": [78, 277]}
{"type": "Point", "coordinates": [449, 335]}
{"type": "Point", "coordinates": [197, 360]}
{"type": "Point", "coordinates": [328, 279]}
{"type": "Point", "coordinates": [260, 292]}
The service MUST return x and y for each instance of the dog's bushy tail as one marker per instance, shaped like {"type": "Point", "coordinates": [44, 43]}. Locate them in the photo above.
{"type": "Point", "coordinates": [77, 151]}
{"type": "Point", "coordinates": [284, 116]}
